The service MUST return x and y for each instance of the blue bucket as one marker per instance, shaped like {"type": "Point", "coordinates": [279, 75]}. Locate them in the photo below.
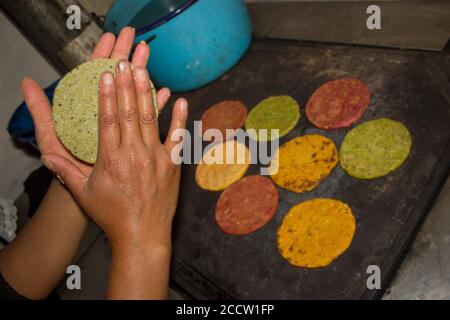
{"type": "Point", "coordinates": [193, 42]}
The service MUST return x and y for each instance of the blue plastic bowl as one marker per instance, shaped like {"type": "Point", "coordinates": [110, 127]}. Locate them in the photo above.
{"type": "Point", "coordinates": [193, 42]}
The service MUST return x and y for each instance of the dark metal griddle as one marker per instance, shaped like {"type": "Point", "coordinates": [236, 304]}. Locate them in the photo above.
{"type": "Point", "coordinates": [409, 86]}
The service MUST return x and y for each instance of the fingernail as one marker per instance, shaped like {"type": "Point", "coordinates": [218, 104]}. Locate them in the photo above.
{"type": "Point", "coordinates": [107, 78]}
{"type": "Point", "coordinates": [47, 163]}
{"type": "Point", "coordinates": [183, 105]}
{"type": "Point", "coordinates": [123, 66]}
{"type": "Point", "coordinates": [166, 95]}
{"type": "Point", "coordinates": [143, 42]}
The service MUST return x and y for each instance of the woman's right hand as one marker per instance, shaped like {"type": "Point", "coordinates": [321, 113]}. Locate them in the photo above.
{"type": "Point", "coordinates": [40, 108]}
{"type": "Point", "coordinates": [132, 191]}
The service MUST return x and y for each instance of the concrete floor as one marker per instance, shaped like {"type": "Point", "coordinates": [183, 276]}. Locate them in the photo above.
{"type": "Point", "coordinates": [425, 272]}
{"type": "Point", "coordinates": [423, 275]}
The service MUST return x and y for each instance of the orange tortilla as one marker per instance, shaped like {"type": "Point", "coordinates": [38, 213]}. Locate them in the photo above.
{"type": "Point", "coordinates": [316, 232]}
{"type": "Point", "coordinates": [304, 162]}
{"type": "Point", "coordinates": [228, 115]}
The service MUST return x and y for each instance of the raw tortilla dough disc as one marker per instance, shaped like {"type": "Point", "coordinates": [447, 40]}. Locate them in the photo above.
{"type": "Point", "coordinates": [229, 114]}
{"type": "Point", "coordinates": [304, 162]}
{"type": "Point", "coordinates": [247, 205]}
{"type": "Point", "coordinates": [279, 112]}
{"type": "Point", "coordinates": [222, 165]}
{"type": "Point", "coordinates": [316, 232]}
{"type": "Point", "coordinates": [375, 148]}
{"type": "Point", "coordinates": [338, 103]}
{"type": "Point", "coordinates": [75, 108]}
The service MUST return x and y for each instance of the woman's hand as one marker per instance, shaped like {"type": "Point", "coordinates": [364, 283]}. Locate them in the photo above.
{"type": "Point", "coordinates": [132, 191]}
{"type": "Point", "coordinates": [40, 107]}
{"type": "Point", "coordinates": [36, 261]}
{"type": "Point", "coordinates": [114, 193]}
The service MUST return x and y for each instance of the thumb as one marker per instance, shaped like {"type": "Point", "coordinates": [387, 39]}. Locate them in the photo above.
{"type": "Point", "coordinates": [67, 172]}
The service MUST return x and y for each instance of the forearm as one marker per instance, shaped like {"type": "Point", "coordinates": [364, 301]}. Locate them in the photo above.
{"type": "Point", "coordinates": [141, 270]}
{"type": "Point", "coordinates": [36, 261]}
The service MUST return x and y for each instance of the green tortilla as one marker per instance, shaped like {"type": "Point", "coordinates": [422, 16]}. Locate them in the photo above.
{"type": "Point", "coordinates": [279, 112]}
{"type": "Point", "coordinates": [75, 108]}
{"type": "Point", "coordinates": [375, 148]}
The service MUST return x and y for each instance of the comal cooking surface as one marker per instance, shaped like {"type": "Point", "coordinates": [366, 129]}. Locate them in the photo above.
{"type": "Point", "coordinates": [408, 86]}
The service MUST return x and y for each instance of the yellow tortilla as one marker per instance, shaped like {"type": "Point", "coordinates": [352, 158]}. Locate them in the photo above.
{"type": "Point", "coordinates": [304, 162]}
{"type": "Point", "coordinates": [316, 232]}
{"type": "Point", "coordinates": [222, 165]}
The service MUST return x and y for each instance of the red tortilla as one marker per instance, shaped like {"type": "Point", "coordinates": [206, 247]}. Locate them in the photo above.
{"type": "Point", "coordinates": [247, 205]}
{"type": "Point", "coordinates": [228, 114]}
{"type": "Point", "coordinates": [338, 104]}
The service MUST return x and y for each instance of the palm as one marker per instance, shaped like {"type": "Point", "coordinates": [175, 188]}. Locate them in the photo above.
{"type": "Point", "coordinates": [39, 105]}
{"type": "Point", "coordinates": [55, 146]}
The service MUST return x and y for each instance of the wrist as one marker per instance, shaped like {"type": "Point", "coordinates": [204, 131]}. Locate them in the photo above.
{"type": "Point", "coordinates": [152, 231]}
{"type": "Point", "coordinates": [139, 272]}
{"type": "Point", "coordinates": [135, 245]}
{"type": "Point", "coordinates": [63, 202]}
{"type": "Point", "coordinates": [140, 255]}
